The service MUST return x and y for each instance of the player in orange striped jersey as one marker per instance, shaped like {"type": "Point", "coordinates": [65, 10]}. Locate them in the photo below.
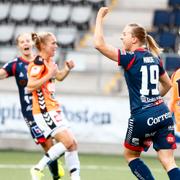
{"type": "Point", "coordinates": [42, 73]}
{"type": "Point", "coordinates": [18, 69]}
{"type": "Point", "coordinates": [175, 98]}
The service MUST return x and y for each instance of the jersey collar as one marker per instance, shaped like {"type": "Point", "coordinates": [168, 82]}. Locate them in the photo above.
{"type": "Point", "coordinates": [141, 49]}
{"type": "Point", "coordinates": [24, 60]}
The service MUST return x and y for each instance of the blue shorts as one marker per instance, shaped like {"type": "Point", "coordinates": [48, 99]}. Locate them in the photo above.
{"type": "Point", "coordinates": [153, 125]}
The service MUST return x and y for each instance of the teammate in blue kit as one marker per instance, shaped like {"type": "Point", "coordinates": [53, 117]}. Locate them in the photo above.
{"type": "Point", "coordinates": [18, 69]}
{"type": "Point", "coordinates": [147, 82]}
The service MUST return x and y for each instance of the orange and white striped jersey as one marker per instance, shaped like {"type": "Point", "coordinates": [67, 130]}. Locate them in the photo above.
{"type": "Point", "coordinates": [175, 97]}
{"type": "Point", "coordinates": [43, 98]}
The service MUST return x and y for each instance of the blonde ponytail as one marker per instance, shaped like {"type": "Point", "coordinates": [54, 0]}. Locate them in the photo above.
{"type": "Point", "coordinates": [153, 46]}
{"type": "Point", "coordinates": [37, 40]}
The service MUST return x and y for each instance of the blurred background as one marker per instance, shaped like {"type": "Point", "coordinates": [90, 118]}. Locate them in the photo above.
{"type": "Point", "coordinates": [94, 96]}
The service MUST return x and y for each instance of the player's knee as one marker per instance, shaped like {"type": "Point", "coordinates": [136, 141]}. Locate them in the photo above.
{"type": "Point", "coordinates": [130, 155]}
{"type": "Point", "coordinates": [68, 142]}
{"type": "Point", "coordinates": [74, 146]}
{"type": "Point", "coordinates": [127, 156]}
{"type": "Point", "coordinates": [168, 163]}
{"type": "Point", "coordinates": [47, 145]}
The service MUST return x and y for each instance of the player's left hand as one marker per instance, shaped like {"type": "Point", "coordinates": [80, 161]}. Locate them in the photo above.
{"type": "Point", "coordinates": [103, 11]}
{"type": "Point", "coordinates": [69, 64]}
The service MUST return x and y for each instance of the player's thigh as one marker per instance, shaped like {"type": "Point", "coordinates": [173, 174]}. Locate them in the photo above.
{"type": "Point", "coordinates": [65, 137]}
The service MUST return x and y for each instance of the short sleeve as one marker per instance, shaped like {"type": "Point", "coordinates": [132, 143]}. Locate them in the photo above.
{"type": "Point", "coordinates": [161, 68]}
{"type": "Point", "coordinates": [35, 71]}
{"type": "Point", "coordinates": [10, 68]}
{"type": "Point", "coordinates": [125, 58]}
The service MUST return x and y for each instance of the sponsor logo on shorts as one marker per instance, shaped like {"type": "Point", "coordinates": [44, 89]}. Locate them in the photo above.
{"type": "Point", "coordinates": [36, 131]}
{"type": "Point", "coordinates": [150, 134]}
{"type": "Point", "coordinates": [170, 139]}
{"type": "Point", "coordinates": [153, 121]}
{"type": "Point", "coordinates": [171, 128]}
{"type": "Point", "coordinates": [135, 141]}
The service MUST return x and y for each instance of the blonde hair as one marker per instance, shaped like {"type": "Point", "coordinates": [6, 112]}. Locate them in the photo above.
{"type": "Point", "coordinates": [40, 38]}
{"type": "Point", "coordinates": [146, 39]}
{"type": "Point", "coordinates": [19, 35]}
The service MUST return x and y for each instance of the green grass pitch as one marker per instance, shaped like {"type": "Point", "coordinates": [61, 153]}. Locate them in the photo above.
{"type": "Point", "coordinates": [15, 165]}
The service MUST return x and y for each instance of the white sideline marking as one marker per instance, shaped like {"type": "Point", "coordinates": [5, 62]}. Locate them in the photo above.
{"type": "Point", "coordinates": [86, 167]}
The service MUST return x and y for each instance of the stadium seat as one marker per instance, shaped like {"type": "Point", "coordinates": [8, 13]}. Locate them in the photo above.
{"type": "Point", "coordinates": [96, 4]}
{"type": "Point", "coordinates": [177, 19]}
{"type": "Point", "coordinates": [7, 54]}
{"type": "Point", "coordinates": [45, 28]}
{"type": "Point", "coordinates": [19, 13]}
{"type": "Point", "coordinates": [36, 1]}
{"type": "Point", "coordinates": [23, 29]}
{"type": "Point", "coordinates": [167, 40]}
{"type": "Point", "coordinates": [86, 61]}
{"type": "Point", "coordinates": [60, 14]}
{"type": "Point", "coordinates": [40, 13]}
{"type": "Point", "coordinates": [75, 2]}
{"type": "Point", "coordinates": [172, 62]}
{"type": "Point", "coordinates": [81, 17]}
{"type": "Point", "coordinates": [56, 1]}
{"type": "Point", "coordinates": [175, 4]}
{"type": "Point", "coordinates": [4, 9]}
{"type": "Point", "coordinates": [155, 35]}
{"type": "Point", "coordinates": [6, 34]}
{"type": "Point", "coordinates": [67, 37]}
{"type": "Point", "coordinates": [79, 59]}
{"type": "Point", "coordinates": [162, 19]}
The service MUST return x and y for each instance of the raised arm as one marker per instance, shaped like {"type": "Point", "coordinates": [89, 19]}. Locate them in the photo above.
{"type": "Point", "coordinates": [3, 73]}
{"type": "Point", "coordinates": [62, 74]}
{"type": "Point", "coordinates": [99, 41]}
{"type": "Point", "coordinates": [165, 84]}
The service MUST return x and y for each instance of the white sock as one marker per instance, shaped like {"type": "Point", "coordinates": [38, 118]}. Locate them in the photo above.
{"type": "Point", "coordinates": [73, 164]}
{"type": "Point", "coordinates": [53, 153]}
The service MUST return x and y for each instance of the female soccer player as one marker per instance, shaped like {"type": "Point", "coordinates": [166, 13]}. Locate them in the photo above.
{"type": "Point", "coordinates": [42, 73]}
{"type": "Point", "coordinates": [18, 69]}
{"type": "Point", "coordinates": [150, 120]}
{"type": "Point", "coordinates": [175, 99]}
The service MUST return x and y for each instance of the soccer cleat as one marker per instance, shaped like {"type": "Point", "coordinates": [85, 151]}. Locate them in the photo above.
{"type": "Point", "coordinates": [61, 171]}
{"type": "Point", "coordinates": [57, 178]}
{"type": "Point", "coordinates": [36, 174]}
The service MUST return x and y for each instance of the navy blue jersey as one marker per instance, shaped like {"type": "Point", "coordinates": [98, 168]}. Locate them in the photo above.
{"type": "Point", "coordinates": [18, 69]}
{"type": "Point", "coordinates": [142, 71]}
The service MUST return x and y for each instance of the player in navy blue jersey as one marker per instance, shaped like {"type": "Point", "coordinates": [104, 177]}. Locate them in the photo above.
{"type": "Point", "coordinates": [147, 82]}
{"type": "Point", "coordinates": [18, 69]}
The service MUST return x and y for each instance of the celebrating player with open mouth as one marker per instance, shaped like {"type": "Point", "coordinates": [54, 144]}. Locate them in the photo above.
{"type": "Point", "coordinates": [150, 120]}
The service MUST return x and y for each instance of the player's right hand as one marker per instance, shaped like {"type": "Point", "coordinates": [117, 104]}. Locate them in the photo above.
{"type": "Point", "coordinates": [103, 11]}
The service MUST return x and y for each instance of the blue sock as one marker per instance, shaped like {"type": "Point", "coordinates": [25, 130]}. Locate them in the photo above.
{"type": "Point", "coordinates": [174, 174]}
{"type": "Point", "coordinates": [140, 170]}
{"type": "Point", "coordinates": [53, 167]}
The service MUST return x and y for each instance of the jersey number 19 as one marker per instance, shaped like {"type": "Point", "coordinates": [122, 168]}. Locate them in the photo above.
{"type": "Point", "coordinates": [151, 77]}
